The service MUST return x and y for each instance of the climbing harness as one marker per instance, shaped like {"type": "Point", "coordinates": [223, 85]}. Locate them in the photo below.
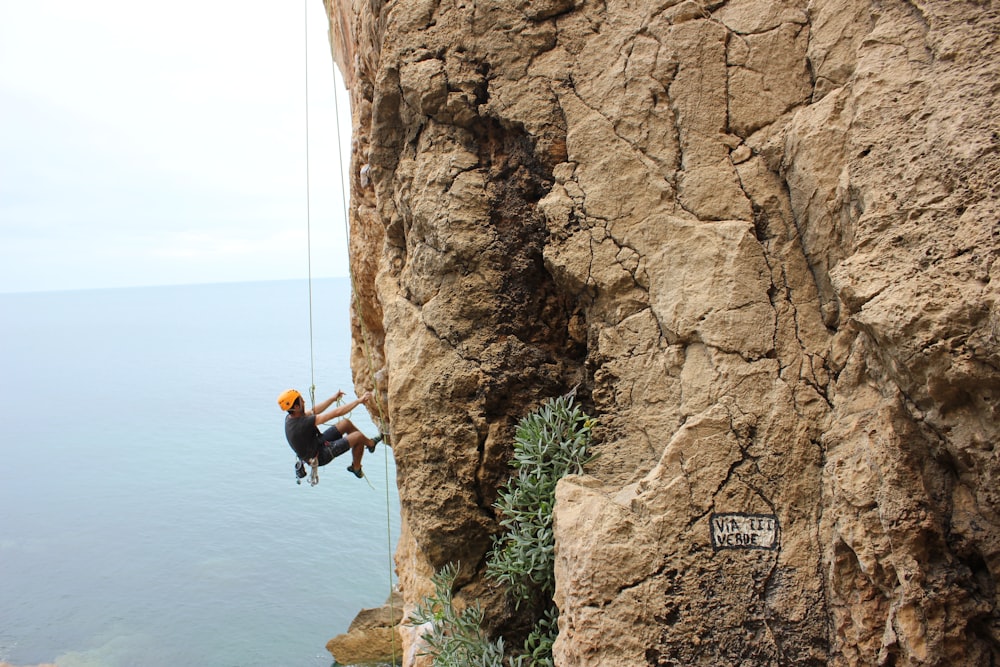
{"type": "Point", "coordinates": [300, 471]}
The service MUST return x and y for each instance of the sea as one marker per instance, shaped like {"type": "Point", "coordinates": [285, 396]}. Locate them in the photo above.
{"type": "Point", "coordinates": [149, 512]}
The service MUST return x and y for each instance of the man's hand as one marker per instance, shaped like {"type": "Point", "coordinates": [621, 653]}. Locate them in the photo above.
{"type": "Point", "coordinates": [324, 415]}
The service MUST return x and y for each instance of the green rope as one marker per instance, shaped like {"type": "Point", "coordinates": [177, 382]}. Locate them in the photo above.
{"type": "Point", "coordinates": [371, 370]}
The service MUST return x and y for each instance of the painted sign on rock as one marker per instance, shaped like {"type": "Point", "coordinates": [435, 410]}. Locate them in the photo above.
{"type": "Point", "coordinates": [736, 530]}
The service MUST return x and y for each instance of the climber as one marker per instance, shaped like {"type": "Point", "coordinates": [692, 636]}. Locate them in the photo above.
{"type": "Point", "coordinates": [304, 437]}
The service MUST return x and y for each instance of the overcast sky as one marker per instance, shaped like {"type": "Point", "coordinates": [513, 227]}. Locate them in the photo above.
{"type": "Point", "coordinates": [164, 143]}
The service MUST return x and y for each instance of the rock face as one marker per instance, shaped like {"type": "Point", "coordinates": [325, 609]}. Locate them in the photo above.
{"type": "Point", "coordinates": [761, 235]}
{"type": "Point", "coordinates": [372, 638]}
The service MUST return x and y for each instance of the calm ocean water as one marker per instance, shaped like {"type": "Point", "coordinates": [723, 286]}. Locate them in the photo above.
{"type": "Point", "coordinates": [148, 510]}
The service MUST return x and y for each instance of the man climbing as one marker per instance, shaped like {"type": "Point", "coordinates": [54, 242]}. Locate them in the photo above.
{"type": "Point", "coordinates": [304, 437]}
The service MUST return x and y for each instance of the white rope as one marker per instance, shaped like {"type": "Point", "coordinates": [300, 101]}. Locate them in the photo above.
{"type": "Point", "coordinates": [313, 463]}
{"type": "Point", "coordinates": [312, 364]}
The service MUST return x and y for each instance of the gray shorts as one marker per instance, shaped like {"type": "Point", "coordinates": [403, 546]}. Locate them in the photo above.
{"type": "Point", "coordinates": [333, 445]}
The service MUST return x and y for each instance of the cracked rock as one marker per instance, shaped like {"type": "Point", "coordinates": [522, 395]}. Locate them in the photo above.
{"type": "Point", "coordinates": [761, 239]}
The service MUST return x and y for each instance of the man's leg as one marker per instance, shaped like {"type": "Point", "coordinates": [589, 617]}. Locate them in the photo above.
{"type": "Point", "coordinates": [358, 442]}
{"type": "Point", "coordinates": [346, 426]}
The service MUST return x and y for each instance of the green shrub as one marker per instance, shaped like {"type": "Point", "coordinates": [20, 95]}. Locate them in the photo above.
{"type": "Point", "coordinates": [549, 443]}
{"type": "Point", "coordinates": [455, 639]}
{"type": "Point", "coordinates": [538, 645]}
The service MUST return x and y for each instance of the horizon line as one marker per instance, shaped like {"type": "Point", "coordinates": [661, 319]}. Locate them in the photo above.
{"type": "Point", "coordinates": [52, 290]}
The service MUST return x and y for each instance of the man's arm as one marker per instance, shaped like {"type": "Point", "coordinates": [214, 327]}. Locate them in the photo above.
{"type": "Point", "coordinates": [323, 405]}
{"type": "Point", "coordinates": [341, 410]}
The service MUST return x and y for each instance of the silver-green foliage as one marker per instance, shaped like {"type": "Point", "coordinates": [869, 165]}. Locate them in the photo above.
{"type": "Point", "coordinates": [538, 645]}
{"type": "Point", "coordinates": [454, 638]}
{"type": "Point", "coordinates": [549, 443]}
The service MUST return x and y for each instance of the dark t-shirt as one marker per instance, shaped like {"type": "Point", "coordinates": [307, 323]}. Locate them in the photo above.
{"type": "Point", "coordinates": [303, 436]}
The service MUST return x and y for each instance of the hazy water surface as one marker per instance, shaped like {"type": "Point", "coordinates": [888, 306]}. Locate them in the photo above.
{"type": "Point", "coordinates": [148, 511]}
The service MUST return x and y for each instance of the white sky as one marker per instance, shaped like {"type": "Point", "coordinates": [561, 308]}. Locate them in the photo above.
{"type": "Point", "coordinates": [163, 143]}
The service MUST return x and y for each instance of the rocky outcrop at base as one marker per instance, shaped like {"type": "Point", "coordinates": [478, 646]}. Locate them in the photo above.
{"type": "Point", "coordinates": [373, 636]}
{"type": "Point", "coordinates": [762, 236]}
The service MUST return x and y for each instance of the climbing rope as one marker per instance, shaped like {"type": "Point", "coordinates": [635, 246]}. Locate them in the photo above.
{"type": "Point", "coordinates": [312, 354]}
{"type": "Point", "coordinates": [314, 462]}
{"type": "Point", "coordinates": [355, 305]}
{"type": "Point", "coordinates": [376, 392]}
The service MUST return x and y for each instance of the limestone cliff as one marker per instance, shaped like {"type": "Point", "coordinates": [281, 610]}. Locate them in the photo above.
{"type": "Point", "coordinates": [761, 235]}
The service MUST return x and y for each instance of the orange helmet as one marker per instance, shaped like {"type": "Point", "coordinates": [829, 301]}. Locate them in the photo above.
{"type": "Point", "coordinates": [288, 398]}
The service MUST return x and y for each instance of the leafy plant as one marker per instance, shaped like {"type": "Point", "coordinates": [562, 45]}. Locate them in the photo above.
{"type": "Point", "coordinates": [538, 645]}
{"type": "Point", "coordinates": [549, 444]}
{"type": "Point", "coordinates": [455, 638]}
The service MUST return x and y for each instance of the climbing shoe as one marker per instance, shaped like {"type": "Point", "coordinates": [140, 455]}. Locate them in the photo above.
{"type": "Point", "coordinates": [357, 473]}
{"type": "Point", "coordinates": [377, 439]}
